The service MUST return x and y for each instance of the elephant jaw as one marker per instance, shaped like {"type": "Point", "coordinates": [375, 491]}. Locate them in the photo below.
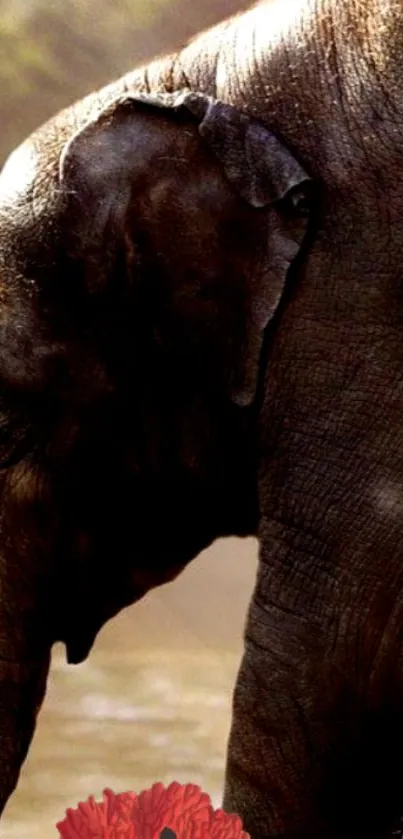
{"type": "Point", "coordinates": [79, 645]}
{"type": "Point", "coordinates": [85, 614]}
{"type": "Point", "coordinates": [87, 611]}
{"type": "Point", "coordinates": [83, 625]}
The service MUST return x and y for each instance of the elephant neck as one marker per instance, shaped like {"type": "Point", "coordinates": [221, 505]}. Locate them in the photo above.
{"type": "Point", "coordinates": [368, 39]}
{"type": "Point", "coordinates": [325, 76]}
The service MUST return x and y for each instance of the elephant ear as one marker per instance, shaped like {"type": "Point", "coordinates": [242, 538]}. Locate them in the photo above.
{"type": "Point", "coordinates": [257, 165]}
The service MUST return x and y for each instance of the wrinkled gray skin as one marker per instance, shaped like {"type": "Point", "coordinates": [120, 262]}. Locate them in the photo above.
{"type": "Point", "coordinates": [195, 340]}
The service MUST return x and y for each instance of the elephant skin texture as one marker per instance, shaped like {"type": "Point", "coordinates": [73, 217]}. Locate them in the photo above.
{"type": "Point", "coordinates": [201, 330]}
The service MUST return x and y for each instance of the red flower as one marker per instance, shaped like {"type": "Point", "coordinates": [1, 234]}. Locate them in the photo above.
{"type": "Point", "coordinates": [182, 808]}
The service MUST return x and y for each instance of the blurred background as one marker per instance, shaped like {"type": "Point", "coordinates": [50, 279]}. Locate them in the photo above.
{"type": "Point", "coordinates": [153, 701]}
{"type": "Point", "coordinates": [53, 52]}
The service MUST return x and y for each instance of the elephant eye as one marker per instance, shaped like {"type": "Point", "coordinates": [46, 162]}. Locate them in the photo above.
{"type": "Point", "coordinates": [17, 428]}
{"type": "Point", "coordinates": [13, 442]}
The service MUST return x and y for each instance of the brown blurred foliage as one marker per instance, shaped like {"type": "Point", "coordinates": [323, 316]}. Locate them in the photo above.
{"type": "Point", "coordinates": [55, 51]}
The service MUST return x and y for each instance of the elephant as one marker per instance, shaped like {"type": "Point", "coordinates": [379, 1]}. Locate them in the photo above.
{"type": "Point", "coordinates": [201, 335]}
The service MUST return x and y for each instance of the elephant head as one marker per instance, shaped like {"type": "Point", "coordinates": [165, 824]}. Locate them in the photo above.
{"type": "Point", "coordinates": [143, 256]}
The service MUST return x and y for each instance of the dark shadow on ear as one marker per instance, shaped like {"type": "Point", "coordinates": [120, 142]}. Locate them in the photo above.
{"type": "Point", "coordinates": [258, 166]}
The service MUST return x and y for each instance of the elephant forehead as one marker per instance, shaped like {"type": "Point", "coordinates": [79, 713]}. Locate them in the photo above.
{"type": "Point", "coordinates": [18, 176]}
{"type": "Point", "coordinates": [30, 203]}
{"type": "Point", "coordinates": [28, 188]}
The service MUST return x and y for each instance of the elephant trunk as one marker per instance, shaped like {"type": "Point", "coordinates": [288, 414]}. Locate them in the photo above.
{"type": "Point", "coordinates": [22, 689]}
{"type": "Point", "coordinates": [26, 616]}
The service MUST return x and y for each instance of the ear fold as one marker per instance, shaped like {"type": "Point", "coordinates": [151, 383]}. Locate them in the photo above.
{"type": "Point", "coordinates": [256, 163]}
{"type": "Point", "coordinates": [100, 160]}
{"type": "Point", "coordinates": [260, 168]}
